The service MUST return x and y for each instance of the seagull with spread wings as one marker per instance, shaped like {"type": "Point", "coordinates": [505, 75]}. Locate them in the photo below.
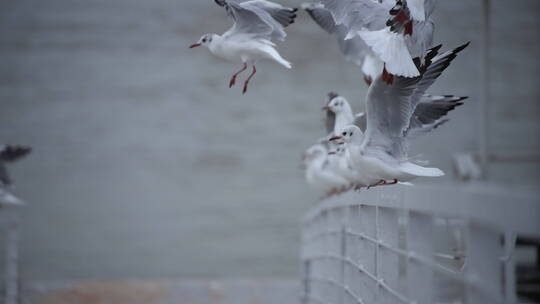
{"type": "Point", "coordinates": [256, 23]}
{"type": "Point", "coordinates": [395, 115]}
{"type": "Point", "coordinates": [392, 35]}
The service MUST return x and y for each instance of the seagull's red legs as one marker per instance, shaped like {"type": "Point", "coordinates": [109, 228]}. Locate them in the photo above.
{"type": "Point", "coordinates": [248, 79]}
{"type": "Point", "coordinates": [233, 78]}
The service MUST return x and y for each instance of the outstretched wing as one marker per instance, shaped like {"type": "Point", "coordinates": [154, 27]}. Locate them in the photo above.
{"type": "Point", "coordinates": [252, 19]}
{"type": "Point", "coordinates": [431, 109]}
{"type": "Point", "coordinates": [390, 108]}
{"type": "Point", "coordinates": [388, 114]}
{"type": "Point", "coordinates": [353, 49]}
{"type": "Point", "coordinates": [10, 154]}
{"type": "Point", "coordinates": [284, 15]}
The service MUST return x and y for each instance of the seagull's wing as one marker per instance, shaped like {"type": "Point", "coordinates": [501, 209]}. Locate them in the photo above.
{"type": "Point", "coordinates": [433, 67]}
{"type": "Point", "coordinates": [431, 109]}
{"type": "Point", "coordinates": [389, 110]}
{"type": "Point", "coordinates": [421, 39]}
{"type": "Point", "coordinates": [251, 19]}
{"type": "Point", "coordinates": [358, 14]}
{"type": "Point", "coordinates": [321, 16]}
{"type": "Point", "coordinates": [353, 49]}
{"type": "Point", "coordinates": [416, 8]}
{"type": "Point", "coordinates": [13, 153]}
{"type": "Point", "coordinates": [284, 15]}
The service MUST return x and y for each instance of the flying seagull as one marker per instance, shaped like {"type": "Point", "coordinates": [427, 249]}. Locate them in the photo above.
{"type": "Point", "coordinates": [256, 24]}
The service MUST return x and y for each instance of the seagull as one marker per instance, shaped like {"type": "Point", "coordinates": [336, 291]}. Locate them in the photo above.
{"type": "Point", "coordinates": [354, 49]}
{"type": "Point", "coordinates": [9, 154]}
{"type": "Point", "coordinates": [395, 115]}
{"type": "Point", "coordinates": [321, 172]}
{"type": "Point", "coordinates": [387, 29]}
{"type": "Point", "coordinates": [249, 40]}
{"type": "Point", "coordinates": [339, 114]}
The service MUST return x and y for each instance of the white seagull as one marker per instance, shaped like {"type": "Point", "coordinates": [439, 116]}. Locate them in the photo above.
{"type": "Point", "coordinates": [389, 31]}
{"type": "Point", "coordinates": [354, 49]}
{"type": "Point", "coordinates": [395, 115]}
{"type": "Point", "coordinates": [321, 170]}
{"type": "Point", "coordinates": [249, 40]}
{"type": "Point", "coordinates": [339, 114]}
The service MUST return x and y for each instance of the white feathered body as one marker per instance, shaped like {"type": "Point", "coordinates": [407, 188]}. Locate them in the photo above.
{"type": "Point", "coordinates": [245, 48]}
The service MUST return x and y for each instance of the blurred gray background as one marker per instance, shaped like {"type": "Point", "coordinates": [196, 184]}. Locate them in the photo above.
{"type": "Point", "coordinates": [147, 165]}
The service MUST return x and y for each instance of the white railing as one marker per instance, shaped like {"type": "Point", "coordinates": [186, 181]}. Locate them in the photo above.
{"type": "Point", "coordinates": [9, 231]}
{"type": "Point", "coordinates": [404, 244]}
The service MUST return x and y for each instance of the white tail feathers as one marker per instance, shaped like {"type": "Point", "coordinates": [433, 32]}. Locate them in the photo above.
{"type": "Point", "coordinates": [284, 63]}
{"type": "Point", "coordinates": [274, 55]}
{"type": "Point", "coordinates": [417, 170]}
{"type": "Point", "coordinates": [392, 49]}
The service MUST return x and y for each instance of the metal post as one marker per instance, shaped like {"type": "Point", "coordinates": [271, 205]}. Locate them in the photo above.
{"type": "Point", "coordinates": [510, 267]}
{"type": "Point", "coordinates": [12, 252]}
{"type": "Point", "coordinates": [484, 108]}
{"type": "Point", "coordinates": [343, 255]}
{"type": "Point", "coordinates": [306, 278]}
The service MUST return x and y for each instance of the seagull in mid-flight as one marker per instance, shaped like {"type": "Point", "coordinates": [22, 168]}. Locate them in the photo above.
{"type": "Point", "coordinates": [256, 23]}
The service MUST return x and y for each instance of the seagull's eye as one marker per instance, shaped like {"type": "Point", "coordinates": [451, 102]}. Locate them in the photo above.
{"type": "Point", "coordinates": [204, 40]}
{"type": "Point", "coordinates": [350, 134]}
{"type": "Point", "coordinates": [344, 133]}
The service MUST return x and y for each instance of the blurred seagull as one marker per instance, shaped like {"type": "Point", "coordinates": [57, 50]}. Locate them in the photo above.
{"type": "Point", "coordinates": [386, 27]}
{"type": "Point", "coordinates": [340, 114]}
{"type": "Point", "coordinates": [354, 49]}
{"type": "Point", "coordinates": [395, 115]}
{"type": "Point", "coordinates": [9, 154]}
{"type": "Point", "coordinates": [249, 40]}
{"type": "Point", "coordinates": [320, 170]}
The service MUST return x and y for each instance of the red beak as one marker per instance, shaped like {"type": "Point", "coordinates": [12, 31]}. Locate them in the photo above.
{"type": "Point", "coordinates": [195, 45]}
{"type": "Point", "coordinates": [334, 138]}
{"type": "Point", "coordinates": [326, 108]}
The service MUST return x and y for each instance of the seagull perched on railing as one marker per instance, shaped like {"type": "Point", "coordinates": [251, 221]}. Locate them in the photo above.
{"type": "Point", "coordinates": [320, 170]}
{"type": "Point", "coordinates": [395, 115]}
{"type": "Point", "coordinates": [9, 154]}
{"type": "Point", "coordinates": [249, 40]}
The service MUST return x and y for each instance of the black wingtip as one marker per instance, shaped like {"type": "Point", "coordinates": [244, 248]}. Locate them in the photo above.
{"type": "Point", "coordinates": [220, 2]}
{"type": "Point", "coordinates": [461, 47]}
{"type": "Point", "coordinates": [13, 153]}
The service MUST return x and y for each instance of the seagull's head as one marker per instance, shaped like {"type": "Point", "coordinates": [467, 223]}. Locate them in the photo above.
{"type": "Point", "coordinates": [337, 105]}
{"type": "Point", "coordinates": [205, 40]}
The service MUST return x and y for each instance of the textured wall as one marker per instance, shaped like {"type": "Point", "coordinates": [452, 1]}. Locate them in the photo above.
{"type": "Point", "coordinates": [147, 165]}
